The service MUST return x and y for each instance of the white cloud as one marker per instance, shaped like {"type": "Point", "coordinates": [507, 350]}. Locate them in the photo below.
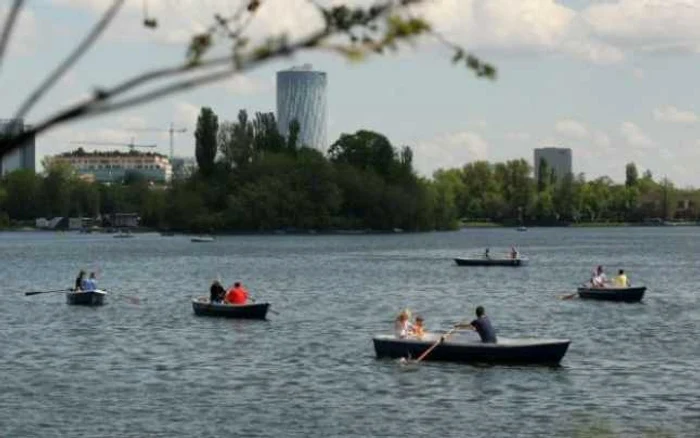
{"type": "Point", "coordinates": [671, 114]}
{"type": "Point", "coordinates": [448, 151]}
{"type": "Point", "coordinates": [601, 139]}
{"type": "Point", "coordinates": [634, 136]}
{"type": "Point", "coordinates": [245, 85]}
{"type": "Point", "coordinates": [600, 32]}
{"type": "Point", "coordinates": [186, 114]}
{"type": "Point", "coordinates": [571, 128]}
{"type": "Point", "coordinates": [649, 25]}
{"type": "Point", "coordinates": [518, 136]}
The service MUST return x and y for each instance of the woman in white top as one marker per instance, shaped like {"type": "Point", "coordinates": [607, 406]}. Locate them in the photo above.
{"type": "Point", "coordinates": [402, 325]}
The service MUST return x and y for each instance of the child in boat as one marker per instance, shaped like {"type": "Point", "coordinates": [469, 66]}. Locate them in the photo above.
{"type": "Point", "coordinates": [418, 329]}
{"type": "Point", "coordinates": [402, 325]}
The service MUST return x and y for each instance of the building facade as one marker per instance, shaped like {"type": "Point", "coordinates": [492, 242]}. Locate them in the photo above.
{"type": "Point", "coordinates": [557, 159]}
{"type": "Point", "coordinates": [23, 157]}
{"type": "Point", "coordinates": [301, 95]}
{"type": "Point", "coordinates": [115, 166]}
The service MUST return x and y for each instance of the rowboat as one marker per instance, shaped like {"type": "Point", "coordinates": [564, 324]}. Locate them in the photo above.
{"type": "Point", "coordinates": [123, 235]}
{"type": "Point", "coordinates": [86, 298]}
{"type": "Point", "coordinates": [519, 261]}
{"type": "Point", "coordinates": [464, 349]}
{"type": "Point", "coordinates": [624, 294]}
{"type": "Point", "coordinates": [202, 239]}
{"type": "Point", "coordinates": [203, 307]}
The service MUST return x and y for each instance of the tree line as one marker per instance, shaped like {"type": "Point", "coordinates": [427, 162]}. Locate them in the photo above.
{"type": "Point", "coordinates": [252, 178]}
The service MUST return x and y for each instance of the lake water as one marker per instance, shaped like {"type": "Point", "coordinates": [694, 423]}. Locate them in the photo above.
{"type": "Point", "coordinates": [151, 368]}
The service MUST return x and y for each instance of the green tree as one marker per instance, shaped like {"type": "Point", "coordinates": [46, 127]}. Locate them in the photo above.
{"type": "Point", "coordinates": [206, 140]}
{"type": "Point", "coordinates": [22, 201]}
{"type": "Point", "coordinates": [293, 136]}
{"type": "Point", "coordinates": [631, 175]}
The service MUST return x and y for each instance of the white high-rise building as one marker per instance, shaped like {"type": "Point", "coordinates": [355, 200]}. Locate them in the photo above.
{"type": "Point", "coordinates": [301, 95]}
{"type": "Point", "coordinates": [557, 159]}
{"type": "Point", "coordinates": [23, 157]}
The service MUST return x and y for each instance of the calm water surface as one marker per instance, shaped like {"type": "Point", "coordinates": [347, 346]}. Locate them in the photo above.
{"type": "Point", "coordinates": [151, 368]}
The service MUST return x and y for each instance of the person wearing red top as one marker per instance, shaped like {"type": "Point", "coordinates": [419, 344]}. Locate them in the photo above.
{"type": "Point", "coordinates": [237, 294]}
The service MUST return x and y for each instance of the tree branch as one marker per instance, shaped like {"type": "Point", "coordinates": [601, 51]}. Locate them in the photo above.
{"type": "Point", "coordinates": [339, 21]}
{"type": "Point", "coordinates": [9, 25]}
{"type": "Point", "coordinates": [79, 51]}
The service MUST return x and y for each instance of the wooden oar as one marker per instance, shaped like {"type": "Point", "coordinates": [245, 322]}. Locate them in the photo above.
{"type": "Point", "coordinates": [403, 360]}
{"type": "Point", "coordinates": [47, 291]}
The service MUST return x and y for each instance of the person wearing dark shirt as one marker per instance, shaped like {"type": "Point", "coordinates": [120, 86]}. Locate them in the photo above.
{"type": "Point", "coordinates": [79, 281]}
{"type": "Point", "coordinates": [483, 326]}
{"type": "Point", "coordinates": [216, 292]}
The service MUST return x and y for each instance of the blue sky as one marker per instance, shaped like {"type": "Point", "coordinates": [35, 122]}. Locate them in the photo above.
{"type": "Point", "coordinates": [613, 80]}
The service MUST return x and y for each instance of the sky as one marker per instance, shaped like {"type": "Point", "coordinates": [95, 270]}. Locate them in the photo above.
{"type": "Point", "coordinates": [615, 80]}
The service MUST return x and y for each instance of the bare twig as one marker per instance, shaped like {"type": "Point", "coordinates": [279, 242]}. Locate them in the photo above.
{"type": "Point", "coordinates": [79, 51]}
{"type": "Point", "coordinates": [9, 25]}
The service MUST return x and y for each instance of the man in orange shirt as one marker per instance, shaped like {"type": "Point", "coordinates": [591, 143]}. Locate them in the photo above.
{"type": "Point", "coordinates": [237, 294]}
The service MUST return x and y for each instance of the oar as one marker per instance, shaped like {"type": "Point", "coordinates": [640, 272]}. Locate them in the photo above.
{"type": "Point", "coordinates": [47, 291]}
{"type": "Point", "coordinates": [432, 347]}
{"type": "Point", "coordinates": [573, 295]}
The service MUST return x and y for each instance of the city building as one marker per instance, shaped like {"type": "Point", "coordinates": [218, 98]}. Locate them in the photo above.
{"type": "Point", "coordinates": [114, 166]}
{"type": "Point", "coordinates": [23, 157]}
{"type": "Point", "coordinates": [301, 95]}
{"type": "Point", "coordinates": [557, 159]}
{"type": "Point", "coordinates": [183, 167]}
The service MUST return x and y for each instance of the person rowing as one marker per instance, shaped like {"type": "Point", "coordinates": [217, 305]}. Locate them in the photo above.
{"type": "Point", "coordinates": [216, 292]}
{"type": "Point", "coordinates": [514, 253]}
{"type": "Point", "coordinates": [79, 281]}
{"type": "Point", "coordinates": [486, 254]}
{"type": "Point", "coordinates": [483, 326]}
{"type": "Point", "coordinates": [598, 279]}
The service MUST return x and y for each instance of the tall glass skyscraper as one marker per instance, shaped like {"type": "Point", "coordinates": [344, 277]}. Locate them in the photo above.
{"type": "Point", "coordinates": [301, 95]}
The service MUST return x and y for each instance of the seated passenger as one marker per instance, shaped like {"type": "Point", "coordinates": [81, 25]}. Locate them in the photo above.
{"type": "Point", "coordinates": [418, 329]}
{"type": "Point", "coordinates": [236, 295]}
{"type": "Point", "coordinates": [402, 325]}
{"type": "Point", "coordinates": [621, 279]}
{"type": "Point", "coordinates": [89, 284]}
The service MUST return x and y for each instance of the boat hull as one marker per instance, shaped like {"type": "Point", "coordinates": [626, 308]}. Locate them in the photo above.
{"type": "Point", "coordinates": [202, 239]}
{"type": "Point", "coordinates": [90, 298]}
{"type": "Point", "coordinates": [491, 262]}
{"type": "Point", "coordinates": [506, 351]}
{"type": "Point", "coordinates": [626, 294]}
{"type": "Point", "coordinates": [202, 307]}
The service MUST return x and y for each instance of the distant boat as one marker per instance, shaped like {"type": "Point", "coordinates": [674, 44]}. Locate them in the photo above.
{"type": "Point", "coordinates": [123, 234]}
{"type": "Point", "coordinates": [202, 239]}
{"type": "Point", "coordinates": [203, 307]}
{"type": "Point", "coordinates": [623, 294]}
{"type": "Point", "coordinates": [86, 298]}
{"type": "Point", "coordinates": [522, 228]}
{"type": "Point", "coordinates": [519, 261]}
